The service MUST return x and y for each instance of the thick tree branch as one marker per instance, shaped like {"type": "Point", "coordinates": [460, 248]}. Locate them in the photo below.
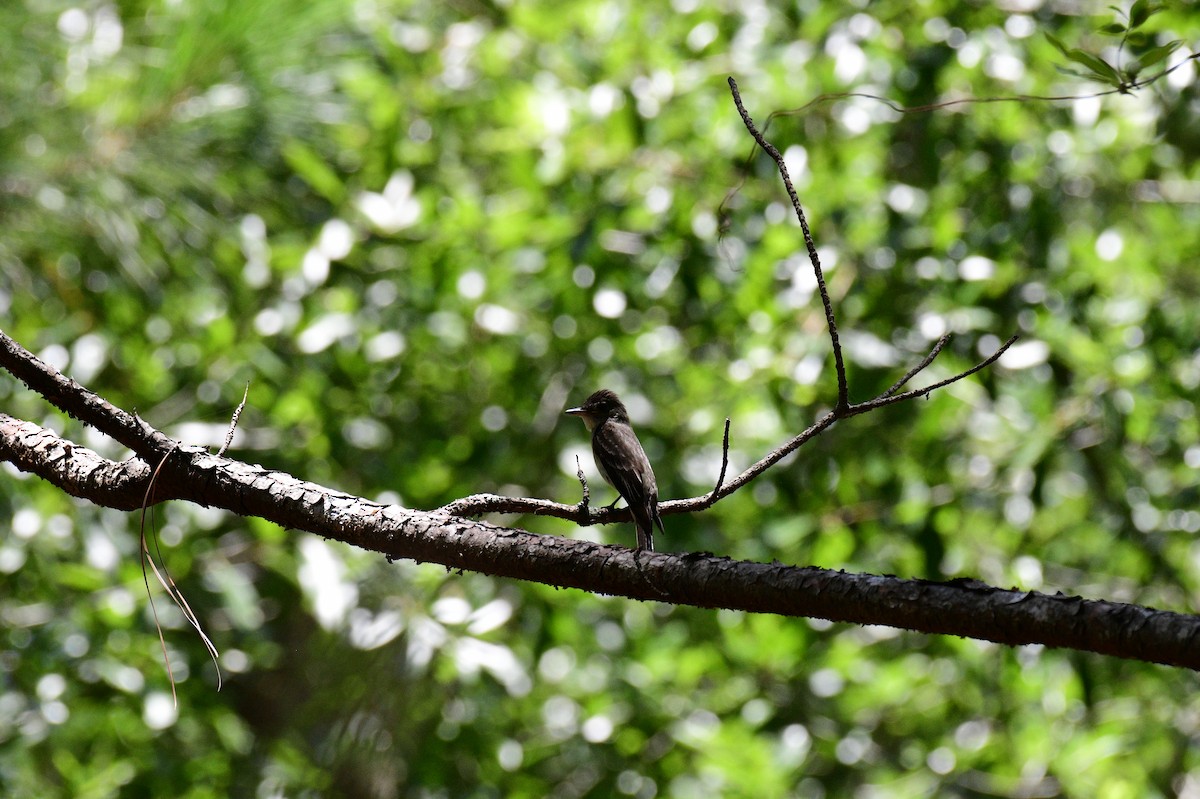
{"type": "Point", "coordinates": [79, 403]}
{"type": "Point", "coordinates": [960, 607]}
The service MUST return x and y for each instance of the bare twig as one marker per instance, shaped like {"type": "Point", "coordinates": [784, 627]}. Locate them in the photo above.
{"type": "Point", "coordinates": [169, 585]}
{"type": "Point", "coordinates": [586, 495]}
{"type": "Point", "coordinates": [237, 414]}
{"type": "Point", "coordinates": [892, 399]}
{"type": "Point", "coordinates": [843, 399]}
{"type": "Point", "coordinates": [937, 348]}
{"type": "Point", "coordinates": [724, 462]}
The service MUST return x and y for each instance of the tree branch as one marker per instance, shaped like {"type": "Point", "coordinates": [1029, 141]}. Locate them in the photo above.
{"type": "Point", "coordinates": [843, 395]}
{"type": "Point", "coordinates": [959, 607]}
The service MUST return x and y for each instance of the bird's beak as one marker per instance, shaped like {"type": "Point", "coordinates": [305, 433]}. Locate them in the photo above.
{"type": "Point", "coordinates": [589, 421]}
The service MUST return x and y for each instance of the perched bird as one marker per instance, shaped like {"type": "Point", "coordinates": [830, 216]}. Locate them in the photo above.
{"type": "Point", "coordinates": [622, 461]}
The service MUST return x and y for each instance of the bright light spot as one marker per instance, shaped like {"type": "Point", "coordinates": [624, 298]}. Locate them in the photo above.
{"type": "Point", "coordinates": [471, 655]}
{"type": "Point", "coordinates": [451, 610]}
{"type": "Point", "coordinates": [370, 631]}
{"type": "Point", "coordinates": [88, 356]}
{"type": "Point", "coordinates": [807, 370]}
{"type": "Point", "coordinates": [660, 341]}
{"type": "Point", "coordinates": [976, 267]}
{"type": "Point", "coordinates": [109, 32]}
{"type": "Point", "coordinates": [496, 319]}
{"type": "Point", "coordinates": [11, 559]}
{"type": "Point", "coordinates": [26, 523]}
{"type": "Point", "coordinates": [609, 303]}
{"type": "Point", "coordinates": [491, 616]}
{"type": "Point", "coordinates": [603, 99]}
{"type": "Point", "coordinates": [702, 36]}
{"type": "Point", "coordinates": [100, 551]}
{"type": "Point", "coordinates": [510, 754]}
{"type": "Point", "coordinates": [322, 577]}
{"type": "Point", "coordinates": [471, 284]}
{"type": "Point", "coordinates": [494, 418]}
{"type": "Point", "coordinates": [905, 199]}
{"type": "Point", "coordinates": [394, 209]}
{"type": "Point", "coordinates": [365, 432]}
{"type": "Point", "coordinates": [1029, 571]}
{"type": "Point", "coordinates": [849, 58]}
{"type": "Point", "coordinates": [854, 118]}
{"type": "Point", "coordinates": [51, 687]}
{"type": "Point", "coordinates": [826, 683]}
{"type": "Point", "coordinates": [318, 336]}
{"type": "Point", "coordinates": [1060, 143]}
{"type": "Point", "coordinates": [597, 729]}
{"type": "Point", "coordinates": [852, 748]}
{"type": "Point", "coordinates": [159, 711]}
{"type": "Point", "coordinates": [600, 350]}
{"type": "Point", "coordinates": [1109, 245]}
{"type": "Point", "coordinates": [73, 24]}
{"type": "Point", "coordinates": [55, 712]}
{"type": "Point", "coordinates": [868, 350]}
{"type": "Point", "coordinates": [556, 664]}
{"type": "Point", "coordinates": [583, 276]}
{"type": "Point", "coordinates": [941, 760]}
{"type": "Point", "coordinates": [658, 199]}
{"type": "Point", "coordinates": [1004, 66]}
{"type": "Point", "coordinates": [795, 158]}
{"type": "Point", "coordinates": [336, 240]}
{"type": "Point", "coordinates": [970, 54]}
{"type": "Point", "coordinates": [385, 346]}
{"type": "Point", "coordinates": [315, 267]}
{"type": "Point", "coordinates": [932, 325]}
{"type": "Point", "coordinates": [555, 113]}
{"type": "Point", "coordinates": [740, 371]}
{"type": "Point", "coordinates": [1019, 26]}
{"type": "Point", "coordinates": [1191, 457]}
{"type": "Point", "coordinates": [704, 225]}
{"type": "Point", "coordinates": [1086, 111]}
{"type": "Point", "coordinates": [1025, 354]}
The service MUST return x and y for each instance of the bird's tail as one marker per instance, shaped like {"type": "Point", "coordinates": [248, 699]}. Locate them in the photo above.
{"type": "Point", "coordinates": [644, 518]}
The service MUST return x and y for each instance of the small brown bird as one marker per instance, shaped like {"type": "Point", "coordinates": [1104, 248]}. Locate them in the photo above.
{"type": "Point", "coordinates": [622, 461]}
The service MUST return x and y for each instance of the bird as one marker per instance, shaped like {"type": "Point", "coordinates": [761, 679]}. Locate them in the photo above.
{"type": "Point", "coordinates": [622, 461]}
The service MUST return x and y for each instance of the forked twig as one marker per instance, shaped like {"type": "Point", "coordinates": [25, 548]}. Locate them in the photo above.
{"type": "Point", "coordinates": [843, 408]}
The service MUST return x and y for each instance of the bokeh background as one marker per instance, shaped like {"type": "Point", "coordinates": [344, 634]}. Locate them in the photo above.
{"type": "Point", "coordinates": [421, 230]}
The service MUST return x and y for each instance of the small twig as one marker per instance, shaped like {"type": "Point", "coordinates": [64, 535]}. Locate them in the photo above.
{"type": "Point", "coordinates": [237, 414]}
{"type": "Point", "coordinates": [937, 348]}
{"type": "Point", "coordinates": [724, 463]}
{"type": "Point", "coordinates": [583, 484]}
{"type": "Point", "coordinates": [886, 399]}
{"type": "Point", "coordinates": [843, 400]}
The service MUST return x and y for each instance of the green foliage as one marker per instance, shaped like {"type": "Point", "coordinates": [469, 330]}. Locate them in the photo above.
{"type": "Point", "coordinates": [419, 231]}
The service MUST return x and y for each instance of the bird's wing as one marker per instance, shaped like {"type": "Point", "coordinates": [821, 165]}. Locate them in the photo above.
{"type": "Point", "coordinates": [626, 467]}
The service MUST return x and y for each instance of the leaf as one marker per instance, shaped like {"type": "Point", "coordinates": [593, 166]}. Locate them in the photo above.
{"type": "Point", "coordinates": [1113, 29]}
{"type": "Point", "coordinates": [1142, 10]}
{"type": "Point", "coordinates": [1054, 40]}
{"type": "Point", "coordinates": [1157, 54]}
{"type": "Point", "coordinates": [1097, 66]}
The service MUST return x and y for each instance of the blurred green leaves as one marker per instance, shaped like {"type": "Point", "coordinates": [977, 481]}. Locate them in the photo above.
{"type": "Point", "coordinates": [421, 231]}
